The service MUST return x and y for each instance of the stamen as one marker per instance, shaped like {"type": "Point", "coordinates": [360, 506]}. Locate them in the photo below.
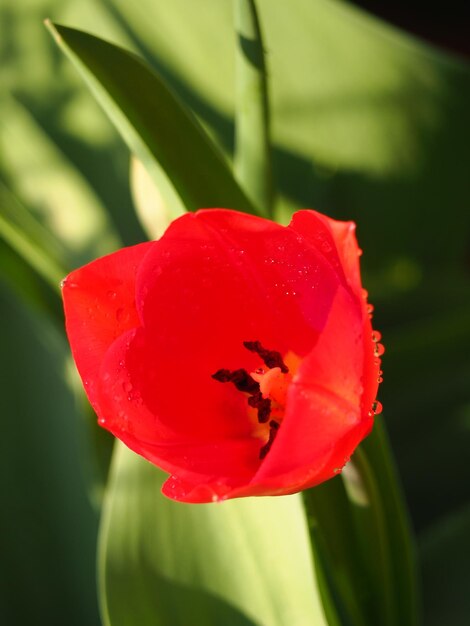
{"type": "Point", "coordinates": [271, 358]}
{"type": "Point", "coordinates": [273, 428]}
{"type": "Point", "coordinates": [263, 405]}
{"type": "Point", "coordinates": [263, 388]}
{"type": "Point", "coordinates": [240, 378]}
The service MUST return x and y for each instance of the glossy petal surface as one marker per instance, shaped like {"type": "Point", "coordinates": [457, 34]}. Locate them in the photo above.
{"type": "Point", "coordinates": [99, 304]}
{"type": "Point", "coordinates": [187, 303]}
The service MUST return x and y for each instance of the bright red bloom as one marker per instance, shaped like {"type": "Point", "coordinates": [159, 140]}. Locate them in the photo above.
{"type": "Point", "coordinates": [234, 353]}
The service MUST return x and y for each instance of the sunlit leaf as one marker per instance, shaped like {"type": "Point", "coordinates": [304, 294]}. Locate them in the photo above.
{"type": "Point", "coordinates": [159, 130]}
{"type": "Point", "coordinates": [252, 160]}
{"type": "Point", "coordinates": [243, 562]}
{"type": "Point", "coordinates": [151, 206]}
{"type": "Point", "coordinates": [55, 193]}
{"type": "Point", "coordinates": [29, 239]}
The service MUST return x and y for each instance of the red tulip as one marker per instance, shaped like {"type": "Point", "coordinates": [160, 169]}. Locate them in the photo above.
{"type": "Point", "coordinates": [234, 353]}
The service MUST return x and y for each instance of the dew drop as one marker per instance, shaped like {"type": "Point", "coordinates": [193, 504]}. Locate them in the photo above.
{"type": "Point", "coordinates": [379, 349]}
{"type": "Point", "coordinates": [127, 386]}
{"type": "Point", "coordinates": [377, 407]}
{"type": "Point", "coordinates": [112, 294]}
{"type": "Point", "coordinates": [376, 336]}
{"type": "Point", "coordinates": [101, 421]}
{"type": "Point", "coordinates": [380, 379]}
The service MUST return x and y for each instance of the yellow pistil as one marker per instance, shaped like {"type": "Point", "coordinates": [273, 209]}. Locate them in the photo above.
{"type": "Point", "coordinates": [273, 384]}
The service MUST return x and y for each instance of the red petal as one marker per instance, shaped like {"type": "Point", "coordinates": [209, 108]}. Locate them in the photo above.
{"type": "Point", "coordinates": [324, 421]}
{"type": "Point", "coordinates": [124, 412]}
{"type": "Point", "coordinates": [99, 303]}
{"type": "Point", "coordinates": [218, 278]}
{"type": "Point", "coordinates": [344, 234]}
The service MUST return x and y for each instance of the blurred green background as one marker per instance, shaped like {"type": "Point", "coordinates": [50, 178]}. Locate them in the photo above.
{"type": "Point", "coordinates": [368, 124]}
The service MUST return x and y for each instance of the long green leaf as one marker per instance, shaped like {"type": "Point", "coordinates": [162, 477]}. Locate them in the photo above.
{"type": "Point", "coordinates": [383, 530]}
{"type": "Point", "coordinates": [346, 593]}
{"type": "Point", "coordinates": [29, 240]}
{"type": "Point", "coordinates": [252, 162]}
{"type": "Point", "coordinates": [185, 165]}
{"type": "Point", "coordinates": [244, 562]}
{"type": "Point", "coordinates": [47, 527]}
{"type": "Point", "coordinates": [55, 194]}
{"type": "Point", "coordinates": [363, 546]}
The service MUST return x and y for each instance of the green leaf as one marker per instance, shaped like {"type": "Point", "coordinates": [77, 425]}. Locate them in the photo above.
{"type": "Point", "coordinates": [252, 161]}
{"type": "Point", "coordinates": [151, 206]}
{"type": "Point", "coordinates": [30, 241]}
{"type": "Point", "coordinates": [362, 539]}
{"type": "Point", "coordinates": [383, 531]}
{"type": "Point", "coordinates": [53, 191]}
{"type": "Point", "coordinates": [346, 593]}
{"type": "Point", "coordinates": [243, 562]}
{"type": "Point", "coordinates": [185, 165]}
{"type": "Point", "coordinates": [47, 527]}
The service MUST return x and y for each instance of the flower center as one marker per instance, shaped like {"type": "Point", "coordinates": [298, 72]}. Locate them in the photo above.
{"type": "Point", "coordinates": [266, 388]}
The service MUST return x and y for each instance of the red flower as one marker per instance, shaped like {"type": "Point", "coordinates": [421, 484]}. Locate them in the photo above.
{"type": "Point", "coordinates": [234, 353]}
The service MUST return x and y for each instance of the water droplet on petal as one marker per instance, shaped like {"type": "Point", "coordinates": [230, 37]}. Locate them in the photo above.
{"type": "Point", "coordinates": [120, 314]}
{"type": "Point", "coordinates": [377, 407]}
{"type": "Point", "coordinates": [376, 336]}
{"type": "Point", "coordinates": [112, 294]}
{"type": "Point", "coordinates": [379, 349]}
{"type": "Point", "coordinates": [127, 386]}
